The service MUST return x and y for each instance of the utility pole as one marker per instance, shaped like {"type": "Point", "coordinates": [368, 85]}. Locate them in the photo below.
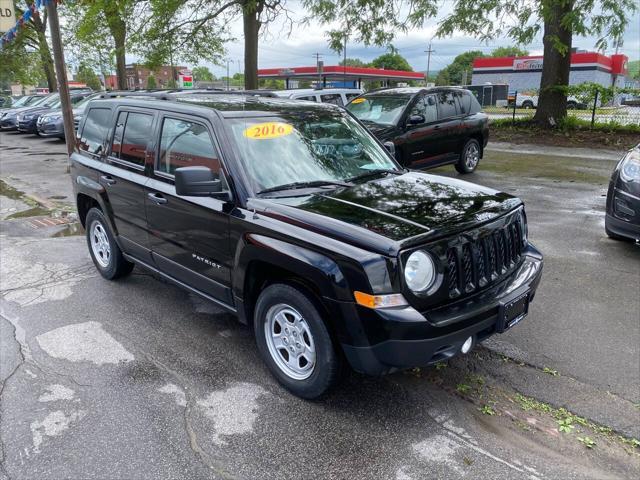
{"type": "Point", "coordinates": [227, 74]}
{"type": "Point", "coordinates": [344, 61]}
{"type": "Point", "coordinates": [319, 67]}
{"type": "Point", "coordinates": [429, 52]}
{"type": "Point", "coordinates": [63, 85]}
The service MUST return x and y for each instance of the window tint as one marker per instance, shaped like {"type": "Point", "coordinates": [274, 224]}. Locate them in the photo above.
{"type": "Point", "coordinates": [426, 106]}
{"type": "Point", "coordinates": [446, 105]}
{"type": "Point", "coordinates": [137, 128]}
{"type": "Point", "coordinates": [464, 103]}
{"type": "Point", "coordinates": [311, 99]}
{"type": "Point", "coordinates": [335, 99]}
{"type": "Point", "coordinates": [186, 144]}
{"type": "Point", "coordinates": [351, 96]}
{"type": "Point", "coordinates": [95, 130]}
{"type": "Point", "coordinates": [474, 105]}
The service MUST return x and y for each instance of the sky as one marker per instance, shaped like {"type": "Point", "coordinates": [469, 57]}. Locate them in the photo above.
{"type": "Point", "coordinates": [276, 49]}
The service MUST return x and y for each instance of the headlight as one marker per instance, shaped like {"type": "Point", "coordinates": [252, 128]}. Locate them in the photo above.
{"type": "Point", "coordinates": [630, 166]}
{"type": "Point", "coordinates": [419, 271]}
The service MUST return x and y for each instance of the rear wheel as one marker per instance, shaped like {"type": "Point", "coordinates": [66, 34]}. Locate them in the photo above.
{"type": "Point", "coordinates": [527, 104]}
{"type": "Point", "coordinates": [294, 342]}
{"type": "Point", "coordinates": [470, 157]}
{"type": "Point", "coordinates": [105, 252]}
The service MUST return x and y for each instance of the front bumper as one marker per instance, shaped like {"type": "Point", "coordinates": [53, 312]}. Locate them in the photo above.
{"type": "Point", "coordinates": [28, 126]}
{"type": "Point", "coordinates": [623, 211]}
{"type": "Point", "coordinates": [9, 123]}
{"type": "Point", "coordinates": [51, 129]}
{"type": "Point", "coordinates": [393, 339]}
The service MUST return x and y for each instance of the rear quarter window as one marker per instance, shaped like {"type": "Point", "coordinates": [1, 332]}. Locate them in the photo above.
{"type": "Point", "coordinates": [94, 132]}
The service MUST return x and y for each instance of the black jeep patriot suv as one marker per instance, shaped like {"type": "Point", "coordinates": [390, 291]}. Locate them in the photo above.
{"type": "Point", "coordinates": [294, 217]}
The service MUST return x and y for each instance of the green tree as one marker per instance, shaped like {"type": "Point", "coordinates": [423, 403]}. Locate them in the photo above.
{"type": "Point", "coordinates": [509, 51]}
{"type": "Point", "coordinates": [391, 61]}
{"type": "Point", "coordinates": [202, 74]}
{"type": "Point", "coordinates": [353, 62]}
{"type": "Point", "coordinates": [151, 82]}
{"type": "Point", "coordinates": [453, 74]}
{"type": "Point", "coordinates": [20, 65]}
{"type": "Point", "coordinates": [378, 21]}
{"type": "Point", "coordinates": [85, 74]}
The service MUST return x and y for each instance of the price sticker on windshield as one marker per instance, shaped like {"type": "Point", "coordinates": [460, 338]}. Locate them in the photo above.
{"type": "Point", "coordinates": [264, 131]}
{"type": "Point", "coordinates": [355, 101]}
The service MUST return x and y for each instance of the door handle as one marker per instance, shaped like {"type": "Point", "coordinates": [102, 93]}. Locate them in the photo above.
{"type": "Point", "coordinates": [157, 198]}
{"type": "Point", "coordinates": [437, 127]}
{"type": "Point", "coordinates": [108, 179]}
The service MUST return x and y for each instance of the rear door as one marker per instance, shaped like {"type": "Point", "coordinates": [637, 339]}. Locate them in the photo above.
{"type": "Point", "coordinates": [123, 177]}
{"type": "Point", "coordinates": [189, 235]}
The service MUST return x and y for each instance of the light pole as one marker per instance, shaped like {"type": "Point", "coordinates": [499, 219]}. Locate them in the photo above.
{"type": "Point", "coordinates": [228, 84]}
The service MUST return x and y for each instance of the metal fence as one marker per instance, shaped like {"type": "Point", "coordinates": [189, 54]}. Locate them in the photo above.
{"type": "Point", "coordinates": [625, 112]}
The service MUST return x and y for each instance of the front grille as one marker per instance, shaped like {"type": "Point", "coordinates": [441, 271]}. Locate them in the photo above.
{"type": "Point", "coordinates": [474, 264]}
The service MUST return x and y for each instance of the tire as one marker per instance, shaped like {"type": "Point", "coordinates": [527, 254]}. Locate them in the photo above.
{"type": "Point", "coordinates": [105, 252]}
{"type": "Point", "coordinates": [572, 105]}
{"type": "Point", "coordinates": [470, 157]}
{"type": "Point", "coordinates": [528, 104]}
{"type": "Point", "coordinates": [317, 366]}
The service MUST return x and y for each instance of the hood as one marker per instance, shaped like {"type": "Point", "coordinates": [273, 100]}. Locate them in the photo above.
{"type": "Point", "coordinates": [382, 132]}
{"type": "Point", "coordinates": [393, 212]}
{"type": "Point", "coordinates": [15, 111]}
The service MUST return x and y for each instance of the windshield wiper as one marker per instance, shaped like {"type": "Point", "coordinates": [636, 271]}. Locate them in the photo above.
{"type": "Point", "coordinates": [312, 184]}
{"type": "Point", "coordinates": [377, 171]}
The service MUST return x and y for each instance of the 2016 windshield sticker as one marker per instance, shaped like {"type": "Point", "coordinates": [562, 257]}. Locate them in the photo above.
{"type": "Point", "coordinates": [358, 100]}
{"type": "Point", "coordinates": [263, 131]}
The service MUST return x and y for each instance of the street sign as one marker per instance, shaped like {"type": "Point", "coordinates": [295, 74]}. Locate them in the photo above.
{"type": "Point", "coordinates": [7, 16]}
{"type": "Point", "coordinates": [185, 79]}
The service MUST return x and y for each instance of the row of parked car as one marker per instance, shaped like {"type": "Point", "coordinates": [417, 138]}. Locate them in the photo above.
{"type": "Point", "coordinates": [424, 127]}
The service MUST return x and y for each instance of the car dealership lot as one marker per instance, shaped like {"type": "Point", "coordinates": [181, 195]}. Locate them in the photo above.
{"type": "Point", "coordinates": [137, 379]}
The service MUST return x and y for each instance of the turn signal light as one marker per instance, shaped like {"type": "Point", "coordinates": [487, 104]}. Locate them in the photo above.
{"type": "Point", "coordinates": [379, 301]}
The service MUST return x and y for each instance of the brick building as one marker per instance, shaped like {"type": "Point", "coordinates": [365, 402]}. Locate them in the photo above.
{"type": "Point", "coordinates": [137, 75]}
{"type": "Point", "coordinates": [523, 73]}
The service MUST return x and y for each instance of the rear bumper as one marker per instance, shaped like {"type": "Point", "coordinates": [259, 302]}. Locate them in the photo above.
{"type": "Point", "coordinates": [416, 339]}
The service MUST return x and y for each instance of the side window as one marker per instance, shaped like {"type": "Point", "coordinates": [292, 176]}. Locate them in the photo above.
{"type": "Point", "coordinates": [334, 99]}
{"type": "Point", "coordinates": [474, 105]}
{"type": "Point", "coordinates": [95, 130]}
{"type": "Point", "coordinates": [446, 105]}
{"type": "Point", "coordinates": [310, 99]}
{"type": "Point", "coordinates": [426, 106]}
{"type": "Point", "coordinates": [133, 143]}
{"type": "Point", "coordinates": [351, 96]}
{"type": "Point", "coordinates": [186, 144]}
{"type": "Point", "coordinates": [464, 102]}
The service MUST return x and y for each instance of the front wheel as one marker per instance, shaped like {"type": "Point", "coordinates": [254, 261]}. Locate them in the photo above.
{"type": "Point", "coordinates": [470, 157]}
{"type": "Point", "coordinates": [294, 342]}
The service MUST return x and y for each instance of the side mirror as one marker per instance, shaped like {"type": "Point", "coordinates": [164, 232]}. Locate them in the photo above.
{"type": "Point", "coordinates": [196, 182]}
{"type": "Point", "coordinates": [391, 148]}
{"type": "Point", "coordinates": [415, 119]}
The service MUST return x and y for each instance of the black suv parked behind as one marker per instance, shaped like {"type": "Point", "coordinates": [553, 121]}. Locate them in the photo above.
{"type": "Point", "coordinates": [429, 127]}
{"type": "Point", "coordinates": [293, 216]}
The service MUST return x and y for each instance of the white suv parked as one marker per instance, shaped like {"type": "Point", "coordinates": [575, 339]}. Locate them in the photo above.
{"type": "Point", "coordinates": [336, 96]}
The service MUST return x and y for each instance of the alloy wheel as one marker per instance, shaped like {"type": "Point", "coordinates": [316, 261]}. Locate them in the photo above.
{"type": "Point", "coordinates": [100, 244]}
{"type": "Point", "coordinates": [472, 156]}
{"type": "Point", "coordinates": [290, 342]}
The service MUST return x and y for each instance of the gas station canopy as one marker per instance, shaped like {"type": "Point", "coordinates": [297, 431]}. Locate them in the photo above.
{"type": "Point", "coordinates": [338, 73]}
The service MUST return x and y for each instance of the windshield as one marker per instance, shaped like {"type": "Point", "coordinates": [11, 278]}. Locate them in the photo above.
{"type": "Point", "coordinates": [311, 146]}
{"type": "Point", "coordinates": [44, 101]}
{"type": "Point", "coordinates": [20, 102]}
{"type": "Point", "coordinates": [81, 106]}
{"type": "Point", "coordinates": [385, 110]}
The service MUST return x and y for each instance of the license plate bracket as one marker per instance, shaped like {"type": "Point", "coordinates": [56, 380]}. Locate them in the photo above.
{"type": "Point", "coordinates": [512, 311]}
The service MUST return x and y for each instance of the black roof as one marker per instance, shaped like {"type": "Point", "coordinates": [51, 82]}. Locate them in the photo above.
{"type": "Point", "coordinates": [228, 105]}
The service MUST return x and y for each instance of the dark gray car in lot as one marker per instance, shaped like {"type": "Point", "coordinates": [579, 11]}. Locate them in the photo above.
{"type": "Point", "coordinates": [50, 124]}
{"type": "Point", "coordinates": [28, 119]}
{"type": "Point", "coordinates": [622, 220]}
{"type": "Point", "coordinates": [9, 117]}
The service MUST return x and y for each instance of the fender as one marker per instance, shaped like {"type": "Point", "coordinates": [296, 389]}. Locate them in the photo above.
{"type": "Point", "coordinates": [321, 270]}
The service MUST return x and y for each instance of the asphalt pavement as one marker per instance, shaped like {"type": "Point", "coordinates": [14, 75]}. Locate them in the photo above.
{"type": "Point", "coordinates": [137, 379]}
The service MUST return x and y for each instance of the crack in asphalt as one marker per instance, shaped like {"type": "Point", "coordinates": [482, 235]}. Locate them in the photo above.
{"type": "Point", "coordinates": [2, 386]}
{"type": "Point", "coordinates": [205, 457]}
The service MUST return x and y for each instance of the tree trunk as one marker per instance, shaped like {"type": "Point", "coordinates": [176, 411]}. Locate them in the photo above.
{"type": "Point", "coordinates": [45, 53]}
{"type": "Point", "coordinates": [552, 101]}
{"type": "Point", "coordinates": [121, 70]}
{"type": "Point", "coordinates": [118, 30]}
{"type": "Point", "coordinates": [250, 16]}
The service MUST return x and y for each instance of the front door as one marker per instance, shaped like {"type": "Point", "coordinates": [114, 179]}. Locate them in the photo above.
{"type": "Point", "coordinates": [450, 124]}
{"type": "Point", "coordinates": [123, 177]}
{"type": "Point", "coordinates": [424, 140]}
{"type": "Point", "coordinates": [189, 236]}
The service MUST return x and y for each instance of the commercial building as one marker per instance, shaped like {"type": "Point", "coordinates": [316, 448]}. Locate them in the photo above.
{"type": "Point", "coordinates": [523, 73]}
